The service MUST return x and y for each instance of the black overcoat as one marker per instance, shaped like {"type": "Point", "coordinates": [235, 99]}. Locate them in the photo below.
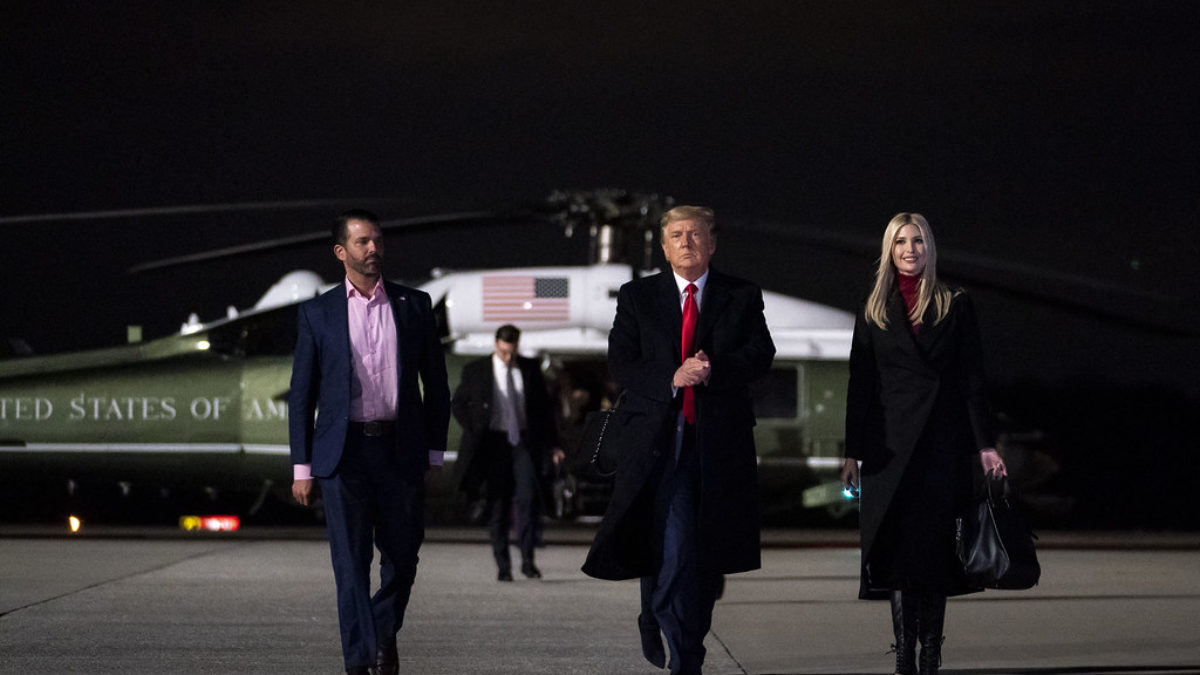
{"type": "Point", "coordinates": [472, 407]}
{"type": "Point", "coordinates": [905, 389]}
{"type": "Point", "coordinates": [643, 355]}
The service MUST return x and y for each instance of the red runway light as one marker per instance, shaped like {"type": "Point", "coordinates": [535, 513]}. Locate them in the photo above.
{"type": "Point", "coordinates": [209, 523]}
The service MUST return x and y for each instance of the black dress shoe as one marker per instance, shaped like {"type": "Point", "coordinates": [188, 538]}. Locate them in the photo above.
{"type": "Point", "coordinates": [361, 670]}
{"type": "Point", "coordinates": [387, 659]}
{"type": "Point", "coordinates": [504, 575]}
{"type": "Point", "coordinates": [531, 572]}
{"type": "Point", "coordinates": [652, 646]}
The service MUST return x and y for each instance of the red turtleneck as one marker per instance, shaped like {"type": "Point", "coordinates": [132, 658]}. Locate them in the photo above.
{"type": "Point", "coordinates": [910, 288]}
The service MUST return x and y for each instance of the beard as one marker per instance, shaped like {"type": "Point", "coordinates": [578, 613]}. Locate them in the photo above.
{"type": "Point", "coordinates": [368, 267]}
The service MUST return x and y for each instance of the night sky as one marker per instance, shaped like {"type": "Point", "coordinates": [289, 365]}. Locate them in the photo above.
{"type": "Point", "coordinates": [1056, 138]}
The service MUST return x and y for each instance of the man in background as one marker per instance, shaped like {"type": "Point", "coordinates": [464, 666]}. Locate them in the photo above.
{"type": "Point", "coordinates": [510, 437]}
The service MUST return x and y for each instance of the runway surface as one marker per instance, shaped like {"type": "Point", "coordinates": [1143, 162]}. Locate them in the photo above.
{"type": "Point", "coordinates": [133, 602]}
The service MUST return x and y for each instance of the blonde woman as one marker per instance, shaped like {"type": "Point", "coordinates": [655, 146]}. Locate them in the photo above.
{"type": "Point", "coordinates": [916, 418]}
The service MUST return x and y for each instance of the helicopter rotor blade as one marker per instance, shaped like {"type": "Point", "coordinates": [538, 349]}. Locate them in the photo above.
{"type": "Point", "coordinates": [189, 209]}
{"type": "Point", "coordinates": [571, 210]}
{"type": "Point", "coordinates": [416, 222]}
{"type": "Point", "coordinates": [1111, 301]}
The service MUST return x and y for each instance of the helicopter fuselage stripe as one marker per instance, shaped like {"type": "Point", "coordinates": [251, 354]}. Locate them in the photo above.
{"type": "Point", "coordinates": [268, 449]}
{"type": "Point", "coordinates": [216, 448]}
{"type": "Point", "coordinates": [811, 462]}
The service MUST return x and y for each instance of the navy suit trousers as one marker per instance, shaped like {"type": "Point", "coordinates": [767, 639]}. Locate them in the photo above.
{"type": "Point", "coordinates": [681, 596]}
{"type": "Point", "coordinates": [373, 500]}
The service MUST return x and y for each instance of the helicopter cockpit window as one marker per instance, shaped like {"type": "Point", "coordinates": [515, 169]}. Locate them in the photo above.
{"type": "Point", "coordinates": [271, 333]}
{"type": "Point", "coordinates": [777, 395]}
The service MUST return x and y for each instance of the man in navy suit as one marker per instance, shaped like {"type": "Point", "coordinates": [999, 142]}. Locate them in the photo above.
{"type": "Point", "coordinates": [358, 426]}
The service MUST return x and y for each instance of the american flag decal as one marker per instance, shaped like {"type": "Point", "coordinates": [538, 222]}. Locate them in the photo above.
{"type": "Point", "coordinates": [525, 298]}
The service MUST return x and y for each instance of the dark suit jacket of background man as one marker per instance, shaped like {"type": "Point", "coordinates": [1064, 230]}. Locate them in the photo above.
{"type": "Point", "coordinates": [472, 406]}
{"type": "Point", "coordinates": [643, 354]}
{"type": "Point", "coordinates": [323, 370]}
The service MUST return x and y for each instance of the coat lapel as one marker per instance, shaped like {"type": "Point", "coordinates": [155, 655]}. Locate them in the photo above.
{"type": "Point", "coordinates": [929, 338]}
{"type": "Point", "coordinates": [712, 303]}
{"type": "Point", "coordinates": [399, 301]}
{"type": "Point", "coordinates": [669, 307]}
{"type": "Point", "coordinates": [401, 307]}
{"type": "Point", "coordinates": [339, 322]}
{"type": "Point", "coordinates": [526, 368]}
{"type": "Point", "coordinates": [338, 325]}
{"type": "Point", "coordinates": [900, 326]}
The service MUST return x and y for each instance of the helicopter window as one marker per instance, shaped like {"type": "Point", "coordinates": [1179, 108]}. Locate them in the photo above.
{"type": "Point", "coordinates": [271, 333]}
{"type": "Point", "coordinates": [776, 395]}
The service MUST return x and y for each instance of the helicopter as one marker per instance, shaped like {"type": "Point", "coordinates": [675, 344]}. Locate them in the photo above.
{"type": "Point", "coordinates": [205, 410]}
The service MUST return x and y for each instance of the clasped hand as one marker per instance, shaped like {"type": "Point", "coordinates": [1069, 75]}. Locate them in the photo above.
{"type": "Point", "coordinates": [695, 370]}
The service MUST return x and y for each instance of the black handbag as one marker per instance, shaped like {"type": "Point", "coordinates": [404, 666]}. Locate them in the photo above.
{"type": "Point", "coordinates": [602, 441]}
{"type": "Point", "coordinates": [994, 546]}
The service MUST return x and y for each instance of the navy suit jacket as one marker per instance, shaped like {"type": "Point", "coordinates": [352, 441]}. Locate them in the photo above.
{"type": "Point", "coordinates": [322, 371]}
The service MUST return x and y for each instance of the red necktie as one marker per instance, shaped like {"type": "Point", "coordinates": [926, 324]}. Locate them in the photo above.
{"type": "Point", "coordinates": [690, 313]}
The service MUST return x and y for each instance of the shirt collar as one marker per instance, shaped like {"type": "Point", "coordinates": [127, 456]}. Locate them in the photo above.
{"type": "Point", "coordinates": [499, 366]}
{"type": "Point", "coordinates": [377, 293]}
{"type": "Point", "coordinates": [681, 283]}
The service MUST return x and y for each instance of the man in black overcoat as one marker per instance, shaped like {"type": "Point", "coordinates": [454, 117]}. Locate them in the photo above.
{"type": "Point", "coordinates": [684, 509]}
{"type": "Point", "coordinates": [508, 449]}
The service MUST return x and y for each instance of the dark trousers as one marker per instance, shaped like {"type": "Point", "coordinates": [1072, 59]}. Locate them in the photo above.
{"type": "Point", "coordinates": [681, 596]}
{"type": "Point", "coordinates": [373, 500]}
{"type": "Point", "coordinates": [504, 494]}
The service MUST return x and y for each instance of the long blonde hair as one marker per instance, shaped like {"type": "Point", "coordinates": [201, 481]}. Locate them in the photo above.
{"type": "Point", "coordinates": [930, 289]}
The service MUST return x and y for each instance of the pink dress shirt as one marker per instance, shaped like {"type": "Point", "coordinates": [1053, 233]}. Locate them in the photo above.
{"type": "Point", "coordinates": [375, 385]}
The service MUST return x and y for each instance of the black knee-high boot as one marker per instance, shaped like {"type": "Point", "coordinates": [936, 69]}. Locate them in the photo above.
{"type": "Point", "coordinates": [904, 626]}
{"type": "Point", "coordinates": [932, 618]}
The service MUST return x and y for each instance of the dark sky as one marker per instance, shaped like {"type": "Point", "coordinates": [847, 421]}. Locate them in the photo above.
{"type": "Point", "coordinates": [1062, 137]}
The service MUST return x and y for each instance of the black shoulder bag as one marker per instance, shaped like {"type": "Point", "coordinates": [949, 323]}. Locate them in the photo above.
{"type": "Point", "coordinates": [603, 440]}
{"type": "Point", "coordinates": [994, 545]}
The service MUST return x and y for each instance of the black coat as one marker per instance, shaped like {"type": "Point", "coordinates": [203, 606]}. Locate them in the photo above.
{"type": "Point", "coordinates": [643, 354]}
{"type": "Point", "coordinates": [906, 391]}
{"type": "Point", "coordinates": [472, 407]}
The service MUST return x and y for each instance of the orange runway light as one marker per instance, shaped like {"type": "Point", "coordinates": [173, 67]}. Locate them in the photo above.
{"type": "Point", "coordinates": [209, 523]}
{"type": "Point", "coordinates": [74, 523]}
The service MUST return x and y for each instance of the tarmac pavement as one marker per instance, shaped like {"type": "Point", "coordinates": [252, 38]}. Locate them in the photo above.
{"type": "Point", "coordinates": [138, 602]}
